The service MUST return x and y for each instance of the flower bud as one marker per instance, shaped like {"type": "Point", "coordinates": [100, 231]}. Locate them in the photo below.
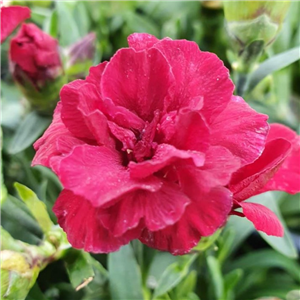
{"type": "Point", "coordinates": [36, 67]}
{"type": "Point", "coordinates": [80, 56]}
{"type": "Point", "coordinates": [17, 276]}
{"type": "Point", "coordinates": [249, 21]}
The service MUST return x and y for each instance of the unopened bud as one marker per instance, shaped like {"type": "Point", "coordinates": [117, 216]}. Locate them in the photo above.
{"type": "Point", "coordinates": [17, 275]}
{"type": "Point", "coordinates": [36, 67]}
{"type": "Point", "coordinates": [249, 21]}
{"type": "Point", "coordinates": [80, 57]}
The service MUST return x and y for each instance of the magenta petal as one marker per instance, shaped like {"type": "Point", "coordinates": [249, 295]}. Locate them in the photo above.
{"type": "Point", "coordinates": [208, 211]}
{"type": "Point", "coordinates": [158, 209]}
{"type": "Point", "coordinates": [262, 218]}
{"type": "Point", "coordinates": [79, 98]}
{"type": "Point", "coordinates": [240, 129]}
{"type": "Point", "coordinates": [191, 131]}
{"type": "Point", "coordinates": [178, 239]}
{"type": "Point", "coordinates": [217, 170]}
{"type": "Point", "coordinates": [122, 116]}
{"type": "Point", "coordinates": [287, 178]}
{"type": "Point", "coordinates": [98, 172]}
{"type": "Point", "coordinates": [95, 74]}
{"type": "Point", "coordinates": [249, 180]}
{"type": "Point", "coordinates": [200, 76]}
{"type": "Point", "coordinates": [11, 17]}
{"type": "Point", "coordinates": [80, 220]}
{"type": "Point", "coordinates": [202, 217]}
{"type": "Point", "coordinates": [139, 81]}
{"type": "Point", "coordinates": [141, 41]}
{"type": "Point", "coordinates": [164, 155]}
{"type": "Point", "coordinates": [47, 146]}
{"type": "Point", "coordinates": [124, 135]}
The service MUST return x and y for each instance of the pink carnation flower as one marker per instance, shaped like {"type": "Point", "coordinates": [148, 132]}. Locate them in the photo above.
{"type": "Point", "coordinates": [146, 146]}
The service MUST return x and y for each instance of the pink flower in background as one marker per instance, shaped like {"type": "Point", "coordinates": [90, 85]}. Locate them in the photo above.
{"type": "Point", "coordinates": [34, 55]}
{"type": "Point", "coordinates": [11, 17]}
{"type": "Point", "coordinates": [146, 146]}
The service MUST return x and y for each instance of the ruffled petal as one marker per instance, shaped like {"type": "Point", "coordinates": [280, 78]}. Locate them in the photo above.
{"type": "Point", "coordinates": [164, 155]}
{"type": "Point", "coordinates": [56, 140]}
{"type": "Point", "coordinates": [81, 221]}
{"type": "Point", "coordinates": [262, 218]}
{"type": "Point", "coordinates": [217, 170]}
{"type": "Point", "coordinates": [98, 172]}
{"type": "Point", "coordinates": [158, 209]}
{"type": "Point", "coordinates": [11, 17]}
{"type": "Point", "coordinates": [287, 178]}
{"type": "Point", "coordinates": [201, 218]}
{"type": "Point", "coordinates": [250, 179]}
{"type": "Point", "coordinates": [200, 78]}
{"type": "Point", "coordinates": [240, 129]}
{"type": "Point", "coordinates": [178, 239]}
{"type": "Point", "coordinates": [81, 111]}
{"type": "Point", "coordinates": [95, 74]}
{"type": "Point", "coordinates": [187, 130]}
{"type": "Point", "coordinates": [141, 41]}
{"type": "Point", "coordinates": [138, 81]}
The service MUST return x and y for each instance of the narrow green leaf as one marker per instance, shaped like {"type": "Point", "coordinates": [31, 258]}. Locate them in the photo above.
{"type": "Point", "coordinates": [28, 131]}
{"type": "Point", "coordinates": [173, 275]}
{"type": "Point", "coordinates": [68, 29]}
{"type": "Point", "coordinates": [283, 244]}
{"type": "Point", "coordinates": [187, 285]}
{"type": "Point", "coordinates": [16, 212]}
{"type": "Point", "coordinates": [267, 259]}
{"type": "Point", "coordinates": [125, 279]}
{"type": "Point", "coordinates": [273, 64]}
{"type": "Point", "coordinates": [241, 228]}
{"type": "Point", "coordinates": [230, 281]}
{"type": "Point", "coordinates": [79, 268]}
{"type": "Point", "coordinates": [36, 206]}
{"type": "Point", "coordinates": [216, 276]}
{"type": "Point", "coordinates": [160, 262]}
{"type": "Point", "coordinates": [51, 24]}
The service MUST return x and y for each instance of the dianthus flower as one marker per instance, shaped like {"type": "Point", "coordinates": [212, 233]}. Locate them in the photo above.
{"type": "Point", "coordinates": [146, 147]}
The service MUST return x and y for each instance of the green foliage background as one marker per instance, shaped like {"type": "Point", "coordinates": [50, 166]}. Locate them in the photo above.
{"type": "Point", "coordinates": [236, 263]}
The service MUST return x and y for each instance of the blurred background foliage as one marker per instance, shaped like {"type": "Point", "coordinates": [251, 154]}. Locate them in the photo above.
{"type": "Point", "coordinates": [237, 263]}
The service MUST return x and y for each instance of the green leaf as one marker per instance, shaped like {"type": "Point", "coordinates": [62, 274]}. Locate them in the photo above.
{"type": "Point", "coordinates": [68, 29]}
{"type": "Point", "coordinates": [216, 276]}
{"type": "Point", "coordinates": [273, 64]}
{"type": "Point", "coordinates": [15, 211]}
{"type": "Point", "coordinates": [283, 244]}
{"type": "Point", "coordinates": [240, 228]}
{"type": "Point", "coordinates": [81, 16]}
{"type": "Point", "coordinates": [267, 259]}
{"type": "Point", "coordinates": [174, 274]}
{"type": "Point", "coordinates": [11, 108]}
{"type": "Point", "coordinates": [79, 268]}
{"type": "Point", "coordinates": [51, 24]}
{"type": "Point", "coordinates": [124, 275]}
{"type": "Point", "coordinates": [187, 285]}
{"type": "Point", "coordinates": [28, 131]}
{"type": "Point", "coordinates": [230, 281]}
{"type": "Point", "coordinates": [36, 206]}
{"type": "Point", "coordinates": [9, 243]}
{"type": "Point", "coordinates": [159, 263]}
